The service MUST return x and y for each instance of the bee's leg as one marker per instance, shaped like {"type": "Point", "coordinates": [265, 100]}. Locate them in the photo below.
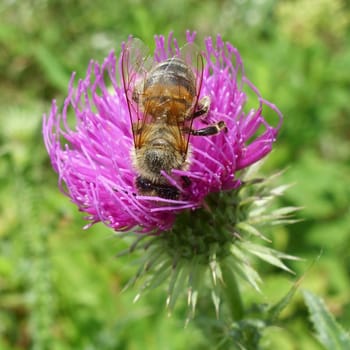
{"type": "Point", "coordinates": [203, 107]}
{"type": "Point", "coordinates": [186, 181]}
{"type": "Point", "coordinates": [209, 130]}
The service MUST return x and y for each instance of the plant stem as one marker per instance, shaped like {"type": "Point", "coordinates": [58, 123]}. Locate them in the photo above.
{"type": "Point", "coordinates": [231, 292]}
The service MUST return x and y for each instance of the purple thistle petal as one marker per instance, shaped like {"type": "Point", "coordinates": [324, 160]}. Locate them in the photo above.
{"type": "Point", "coordinates": [90, 141]}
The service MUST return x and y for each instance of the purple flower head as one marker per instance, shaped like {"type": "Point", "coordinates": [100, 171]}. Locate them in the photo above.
{"type": "Point", "coordinates": [90, 141]}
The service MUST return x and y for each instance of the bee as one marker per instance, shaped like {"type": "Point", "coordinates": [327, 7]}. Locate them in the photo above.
{"type": "Point", "coordinates": [163, 100]}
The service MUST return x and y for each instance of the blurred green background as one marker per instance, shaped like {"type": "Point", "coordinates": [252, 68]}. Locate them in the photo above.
{"type": "Point", "coordinates": [60, 286]}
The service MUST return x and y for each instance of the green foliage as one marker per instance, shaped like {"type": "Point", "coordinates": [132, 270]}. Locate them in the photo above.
{"type": "Point", "coordinates": [329, 332]}
{"type": "Point", "coordinates": [60, 286]}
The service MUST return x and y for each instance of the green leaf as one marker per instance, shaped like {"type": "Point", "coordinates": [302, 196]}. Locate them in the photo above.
{"type": "Point", "coordinates": [269, 255]}
{"type": "Point", "coordinates": [52, 67]}
{"type": "Point", "coordinates": [275, 310]}
{"type": "Point", "coordinates": [329, 332]}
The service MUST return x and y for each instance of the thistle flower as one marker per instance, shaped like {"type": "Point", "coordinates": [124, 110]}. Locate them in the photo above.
{"type": "Point", "coordinates": [90, 141]}
{"type": "Point", "coordinates": [212, 246]}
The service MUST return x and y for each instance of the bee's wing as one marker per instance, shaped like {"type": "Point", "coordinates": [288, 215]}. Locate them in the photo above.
{"type": "Point", "coordinates": [192, 56]}
{"type": "Point", "coordinates": [135, 63]}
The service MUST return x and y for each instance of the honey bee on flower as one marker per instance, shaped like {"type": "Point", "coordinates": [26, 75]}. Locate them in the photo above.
{"type": "Point", "coordinates": [145, 139]}
{"type": "Point", "coordinates": [182, 113]}
{"type": "Point", "coordinates": [163, 101]}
